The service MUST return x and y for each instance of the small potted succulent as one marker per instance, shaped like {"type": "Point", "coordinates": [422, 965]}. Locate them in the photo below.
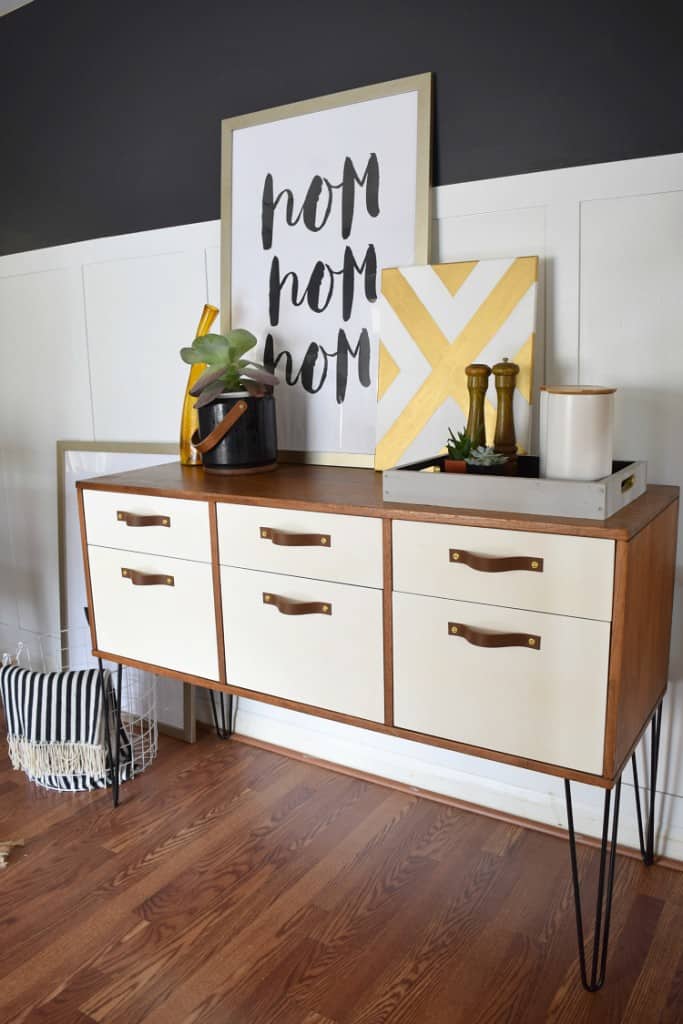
{"type": "Point", "coordinates": [459, 449]}
{"type": "Point", "coordinates": [235, 405]}
{"type": "Point", "coordinates": [486, 460]}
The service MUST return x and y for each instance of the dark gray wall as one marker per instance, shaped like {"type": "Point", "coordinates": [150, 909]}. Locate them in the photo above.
{"type": "Point", "coordinates": [110, 111]}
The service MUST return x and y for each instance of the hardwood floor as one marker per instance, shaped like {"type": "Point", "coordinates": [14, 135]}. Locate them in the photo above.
{"type": "Point", "coordinates": [236, 886]}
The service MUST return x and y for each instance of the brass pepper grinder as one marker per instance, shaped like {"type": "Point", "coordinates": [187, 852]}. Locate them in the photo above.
{"type": "Point", "coordinates": [505, 374]}
{"type": "Point", "coordinates": [477, 383]}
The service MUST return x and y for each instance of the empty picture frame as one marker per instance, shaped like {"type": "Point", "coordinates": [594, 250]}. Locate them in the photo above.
{"type": "Point", "coordinates": [79, 460]}
{"type": "Point", "coordinates": [316, 198]}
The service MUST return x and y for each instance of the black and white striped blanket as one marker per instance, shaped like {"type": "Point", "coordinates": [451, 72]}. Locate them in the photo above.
{"type": "Point", "coordinates": [56, 727]}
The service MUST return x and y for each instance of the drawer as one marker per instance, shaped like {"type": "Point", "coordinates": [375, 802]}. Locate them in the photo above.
{"type": "Point", "coordinates": [170, 626]}
{"type": "Point", "coordinates": [545, 702]}
{"type": "Point", "coordinates": [563, 575]}
{"type": "Point", "coordinates": [123, 521]}
{"type": "Point", "coordinates": [318, 545]}
{"type": "Point", "coordinates": [331, 657]}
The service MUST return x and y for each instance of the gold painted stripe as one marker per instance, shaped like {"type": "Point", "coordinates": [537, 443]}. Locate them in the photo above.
{"type": "Point", "coordinates": [525, 361]}
{"type": "Point", "coordinates": [388, 371]}
{"type": "Point", "coordinates": [416, 319]}
{"type": "Point", "coordinates": [454, 275]}
{"type": "Point", "coordinates": [446, 377]}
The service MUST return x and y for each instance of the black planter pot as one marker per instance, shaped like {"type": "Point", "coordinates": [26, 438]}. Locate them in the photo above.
{"type": "Point", "coordinates": [250, 443]}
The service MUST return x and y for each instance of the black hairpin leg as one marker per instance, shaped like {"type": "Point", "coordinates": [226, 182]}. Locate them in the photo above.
{"type": "Point", "coordinates": [647, 839]}
{"type": "Point", "coordinates": [111, 706]}
{"type": "Point", "coordinates": [224, 729]}
{"type": "Point", "coordinates": [603, 909]}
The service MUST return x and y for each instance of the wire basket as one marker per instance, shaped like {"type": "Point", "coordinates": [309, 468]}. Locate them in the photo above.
{"type": "Point", "coordinates": [71, 649]}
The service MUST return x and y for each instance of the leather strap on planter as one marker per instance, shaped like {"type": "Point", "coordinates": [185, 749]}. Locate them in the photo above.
{"type": "Point", "coordinates": [286, 606]}
{"type": "Point", "coordinates": [219, 432]}
{"type": "Point", "coordinates": [481, 638]}
{"type": "Point", "coordinates": [148, 579]}
{"type": "Point", "coordinates": [295, 540]}
{"type": "Point", "coordinates": [492, 563]}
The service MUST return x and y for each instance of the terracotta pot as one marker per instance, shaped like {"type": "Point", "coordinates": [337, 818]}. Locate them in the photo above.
{"type": "Point", "coordinates": [455, 465]}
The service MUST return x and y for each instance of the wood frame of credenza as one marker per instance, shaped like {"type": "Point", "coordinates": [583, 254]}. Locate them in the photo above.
{"type": "Point", "coordinates": [645, 542]}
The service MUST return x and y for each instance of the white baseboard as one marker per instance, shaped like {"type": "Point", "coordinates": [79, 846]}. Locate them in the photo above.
{"type": "Point", "coordinates": [445, 772]}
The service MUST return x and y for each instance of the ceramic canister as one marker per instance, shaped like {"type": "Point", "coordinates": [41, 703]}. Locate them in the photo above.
{"type": "Point", "coordinates": [576, 432]}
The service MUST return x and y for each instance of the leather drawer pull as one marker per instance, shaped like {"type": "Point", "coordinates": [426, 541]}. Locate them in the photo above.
{"type": "Point", "coordinates": [133, 519]}
{"type": "Point", "coordinates": [148, 579]}
{"type": "Point", "coordinates": [481, 638]}
{"type": "Point", "coordinates": [492, 563]}
{"type": "Point", "coordinates": [286, 606]}
{"type": "Point", "coordinates": [296, 540]}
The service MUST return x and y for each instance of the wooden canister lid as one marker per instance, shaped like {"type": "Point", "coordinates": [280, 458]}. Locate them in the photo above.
{"type": "Point", "coordinates": [576, 389]}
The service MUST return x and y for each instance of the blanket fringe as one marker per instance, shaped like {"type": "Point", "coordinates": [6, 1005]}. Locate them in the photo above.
{"type": "Point", "coordinates": [38, 759]}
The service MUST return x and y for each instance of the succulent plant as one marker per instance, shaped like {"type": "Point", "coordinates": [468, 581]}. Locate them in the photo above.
{"type": "Point", "coordinates": [485, 456]}
{"type": "Point", "coordinates": [459, 447]}
{"type": "Point", "coordinates": [226, 369]}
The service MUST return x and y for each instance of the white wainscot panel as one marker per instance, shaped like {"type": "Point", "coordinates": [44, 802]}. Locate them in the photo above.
{"type": "Point", "coordinates": [632, 337]}
{"type": "Point", "coordinates": [47, 396]}
{"type": "Point", "coordinates": [140, 312]}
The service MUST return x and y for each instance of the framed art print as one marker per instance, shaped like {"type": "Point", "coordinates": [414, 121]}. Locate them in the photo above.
{"type": "Point", "coordinates": [434, 321]}
{"type": "Point", "coordinates": [318, 197]}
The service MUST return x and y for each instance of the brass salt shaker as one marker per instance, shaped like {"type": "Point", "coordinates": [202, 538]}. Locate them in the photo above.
{"type": "Point", "coordinates": [477, 383]}
{"type": "Point", "coordinates": [505, 375]}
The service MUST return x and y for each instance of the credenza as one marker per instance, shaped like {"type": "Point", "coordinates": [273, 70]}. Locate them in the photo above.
{"type": "Point", "coordinates": [532, 640]}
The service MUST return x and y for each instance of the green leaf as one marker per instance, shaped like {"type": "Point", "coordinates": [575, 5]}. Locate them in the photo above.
{"type": "Point", "coordinates": [240, 342]}
{"type": "Point", "coordinates": [261, 375]}
{"type": "Point", "coordinates": [209, 393]}
{"type": "Point", "coordinates": [208, 377]}
{"type": "Point", "coordinates": [188, 355]}
{"type": "Point", "coordinates": [212, 348]}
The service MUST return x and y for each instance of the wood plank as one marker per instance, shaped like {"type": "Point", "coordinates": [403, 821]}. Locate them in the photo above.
{"type": "Point", "coordinates": [388, 620]}
{"type": "Point", "coordinates": [359, 492]}
{"type": "Point", "coordinates": [256, 885]}
{"type": "Point", "coordinates": [641, 633]}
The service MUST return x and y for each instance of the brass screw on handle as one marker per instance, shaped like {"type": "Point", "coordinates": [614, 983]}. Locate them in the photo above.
{"type": "Point", "coordinates": [169, 579]}
{"type": "Point", "coordinates": [124, 572]}
{"type": "Point", "coordinates": [455, 556]}
{"type": "Point", "coordinates": [534, 565]}
{"type": "Point", "coordinates": [454, 629]}
{"type": "Point", "coordinates": [326, 608]}
{"type": "Point", "coordinates": [166, 522]}
{"type": "Point", "coordinates": [266, 597]}
{"type": "Point", "coordinates": [532, 641]}
{"type": "Point", "coordinates": [323, 540]}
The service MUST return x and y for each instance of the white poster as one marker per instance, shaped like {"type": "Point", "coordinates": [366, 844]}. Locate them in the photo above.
{"type": "Point", "coordinates": [320, 202]}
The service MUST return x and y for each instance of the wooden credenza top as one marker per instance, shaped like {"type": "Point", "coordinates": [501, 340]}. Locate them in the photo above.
{"type": "Point", "coordinates": [359, 492]}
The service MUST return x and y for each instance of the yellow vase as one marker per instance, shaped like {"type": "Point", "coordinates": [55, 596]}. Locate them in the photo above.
{"type": "Point", "coordinates": [189, 456]}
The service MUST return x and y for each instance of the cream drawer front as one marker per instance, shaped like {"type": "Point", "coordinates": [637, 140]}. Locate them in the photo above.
{"type": "Point", "coordinates": [115, 520]}
{"type": "Point", "coordinates": [343, 549]}
{"type": "Point", "coordinates": [170, 626]}
{"type": "Point", "coordinates": [332, 661]}
{"type": "Point", "coordinates": [547, 704]}
{"type": "Point", "coordinates": [566, 575]}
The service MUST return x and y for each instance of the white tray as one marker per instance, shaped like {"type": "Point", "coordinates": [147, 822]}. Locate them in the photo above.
{"type": "Point", "coordinates": [527, 492]}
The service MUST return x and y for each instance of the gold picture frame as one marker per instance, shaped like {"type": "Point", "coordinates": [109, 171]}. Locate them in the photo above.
{"type": "Point", "coordinates": [421, 85]}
